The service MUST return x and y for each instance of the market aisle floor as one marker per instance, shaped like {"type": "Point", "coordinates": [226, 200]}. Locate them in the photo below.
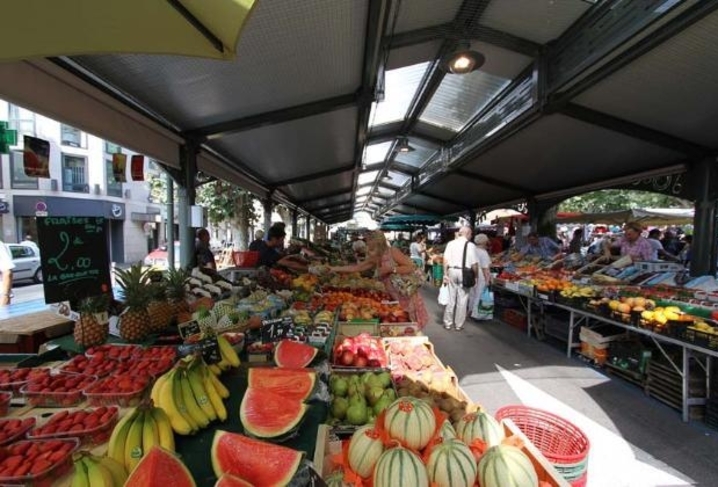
{"type": "Point", "coordinates": [636, 441]}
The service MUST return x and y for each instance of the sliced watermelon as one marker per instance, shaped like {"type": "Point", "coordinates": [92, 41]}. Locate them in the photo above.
{"type": "Point", "coordinates": [258, 462]}
{"type": "Point", "coordinates": [295, 384]}
{"type": "Point", "coordinates": [265, 414]}
{"type": "Point", "coordinates": [289, 354]}
{"type": "Point", "coordinates": [160, 467]}
{"type": "Point", "coordinates": [228, 480]}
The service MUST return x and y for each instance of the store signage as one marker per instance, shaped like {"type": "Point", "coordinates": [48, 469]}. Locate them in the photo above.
{"type": "Point", "coordinates": [119, 163]}
{"type": "Point", "coordinates": [277, 329]}
{"type": "Point", "coordinates": [208, 348]}
{"type": "Point", "coordinates": [137, 167]}
{"type": "Point", "coordinates": [74, 257]}
{"type": "Point", "coordinates": [36, 157]}
{"type": "Point", "coordinates": [188, 329]}
{"type": "Point", "coordinates": [116, 210]}
{"type": "Point", "coordinates": [4, 207]}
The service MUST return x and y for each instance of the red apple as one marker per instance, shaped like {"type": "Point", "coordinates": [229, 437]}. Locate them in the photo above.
{"type": "Point", "coordinates": [347, 358]}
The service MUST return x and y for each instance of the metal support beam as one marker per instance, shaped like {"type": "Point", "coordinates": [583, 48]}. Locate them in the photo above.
{"type": "Point", "coordinates": [372, 69]}
{"type": "Point", "coordinates": [703, 259]}
{"type": "Point", "coordinates": [417, 207]}
{"type": "Point", "coordinates": [187, 194]}
{"type": "Point", "coordinates": [274, 117]}
{"type": "Point", "coordinates": [492, 181]}
{"type": "Point", "coordinates": [295, 215]}
{"type": "Point", "coordinates": [444, 199]}
{"type": "Point", "coordinates": [324, 196]}
{"type": "Point", "coordinates": [314, 176]}
{"type": "Point", "coordinates": [267, 206]}
{"type": "Point", "coordinates": [394, 130]}
{"type": "Point", "coordinates": [170, 221]}
{"type": "Point", "coordinates": [615, 124]}
{"type": "Point", "coordinates": [333, 206]}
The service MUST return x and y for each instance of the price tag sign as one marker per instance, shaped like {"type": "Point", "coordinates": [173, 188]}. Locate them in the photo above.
{"type": "Point", "coordinates": [277, 329]}
{"type": "Point", "coordinates": [209, 348]}
{"type": "Point", "coordinates": [188, 329]}
{"type": "Point", "coordinates": [74, 257]}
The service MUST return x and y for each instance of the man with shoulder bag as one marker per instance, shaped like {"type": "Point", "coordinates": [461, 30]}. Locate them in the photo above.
{"type": "Point", "coordinates": [460, 274]}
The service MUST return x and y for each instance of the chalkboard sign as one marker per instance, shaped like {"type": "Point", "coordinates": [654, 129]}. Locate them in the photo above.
{"type": "Point", "coordinates": [188, 329]}
{"type": "Point", "coordinates": [74, 257]}
{"type": "Point", "coordinates": [277, 329]}
{"type": "Point", "coordinates": [209, 348]}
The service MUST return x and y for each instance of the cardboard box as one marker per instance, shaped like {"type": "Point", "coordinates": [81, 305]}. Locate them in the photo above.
{"type": "Point", "coordinates": [602, 334]}
{"type": "Point", "coordinates": [354, 328]}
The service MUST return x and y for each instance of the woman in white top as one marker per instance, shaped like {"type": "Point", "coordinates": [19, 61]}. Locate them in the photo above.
{"type": "Point", "coordinates": [417, 250]}
{"type": "Point", "coordinates": [482, 256]}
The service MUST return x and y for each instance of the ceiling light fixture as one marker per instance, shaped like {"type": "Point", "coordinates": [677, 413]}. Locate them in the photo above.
{"type": "Point", "coordinates": [404, 146]}
{"type": "Point", "coordinates": [463, 60]}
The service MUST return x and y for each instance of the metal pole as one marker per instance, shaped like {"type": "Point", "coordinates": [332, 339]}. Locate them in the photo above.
{"type": "Point", "coordinates": [170, 221]}
{"type": "Point", "coordinates": [267, 205]}
{"type": "Point", "coordinates": [186, 197]}
{"type": "Point", "coordinates": [295, 217]}
{"type": "Point", "coordinates": [703, 259]}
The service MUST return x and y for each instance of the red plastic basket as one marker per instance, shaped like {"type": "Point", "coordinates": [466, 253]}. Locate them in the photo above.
{"type": "Point", "coordinates": [560, 441]}
{"type": "Point", "coordinates": [246, 259]}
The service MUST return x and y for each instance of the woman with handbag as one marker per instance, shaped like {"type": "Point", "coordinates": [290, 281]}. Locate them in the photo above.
{"type": "Point", "coordinates": [484, 277]}
{"type": "Point", "coordinates": [396, 271]}
{"type": "Point", "coordinates": [460, 271]}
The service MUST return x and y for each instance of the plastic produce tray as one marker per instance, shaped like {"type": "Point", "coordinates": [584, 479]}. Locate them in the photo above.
{"type": "Point", "coordinates": [48, 476]}
{"type": "Point", "coordinates": [29, 423]}
{"type": "Point", "coordinates": [51, 399]}
{"type": "Point", "coordinates": [122, 399]}
{"type": "Point", "coordinates": [86, 437]}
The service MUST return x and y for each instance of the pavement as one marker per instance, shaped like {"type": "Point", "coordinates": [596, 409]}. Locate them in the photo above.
{"type": "Point", "coordinates": [636, 441]}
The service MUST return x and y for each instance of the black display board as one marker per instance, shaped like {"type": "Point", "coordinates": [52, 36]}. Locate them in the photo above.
{"type": "Point", "coordinates": [74, 257]}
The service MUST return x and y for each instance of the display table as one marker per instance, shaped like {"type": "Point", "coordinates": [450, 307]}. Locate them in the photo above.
{"type": "Point", "coordinates": [703, 356]}
{"type": "Point", "coordinates": [26, 326]}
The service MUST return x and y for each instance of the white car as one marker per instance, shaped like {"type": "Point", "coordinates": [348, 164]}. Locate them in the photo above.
{"type": "Point", "coordinates": [27, 262]}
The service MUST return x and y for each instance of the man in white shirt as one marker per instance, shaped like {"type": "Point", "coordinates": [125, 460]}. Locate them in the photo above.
{"type": "Point", "coordinates": [6, 267]}
{"type": "Point", "coordinates": [455, 312]}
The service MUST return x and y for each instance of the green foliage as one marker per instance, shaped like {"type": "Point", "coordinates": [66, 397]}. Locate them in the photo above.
{"type": "Point", "coordinates": [158, 188]}
{"type": "Point", "coordinates": [620, 199]}
{"type": "Point", "coordinates": [226, 202]}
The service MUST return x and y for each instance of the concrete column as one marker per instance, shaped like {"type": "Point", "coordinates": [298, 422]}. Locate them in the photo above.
{"type": "Point", "coordinates": [186, 196]}
{"type": "Point", "coordinates": [170, 221]}
{"type": "Point", "coordinates": [308, 225]}
{"type": "Point", "coordinates": [703, 257]}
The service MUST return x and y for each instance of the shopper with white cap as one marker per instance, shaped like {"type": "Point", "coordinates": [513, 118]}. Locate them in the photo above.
{"type": "Point", "coordinates": [484, 278]}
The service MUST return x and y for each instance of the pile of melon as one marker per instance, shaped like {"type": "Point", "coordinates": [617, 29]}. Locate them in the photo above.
{"type": "Point", "coordinates": [408, 446]}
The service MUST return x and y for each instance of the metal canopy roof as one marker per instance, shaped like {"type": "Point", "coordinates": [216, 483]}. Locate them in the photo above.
{"type": "Point", "coordinates": [310, 112]}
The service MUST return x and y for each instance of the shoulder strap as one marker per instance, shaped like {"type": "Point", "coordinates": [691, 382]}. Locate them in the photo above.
{"type": "Point", "coordinates": [463, 260]}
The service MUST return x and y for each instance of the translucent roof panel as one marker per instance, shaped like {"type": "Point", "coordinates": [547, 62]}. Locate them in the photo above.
{"type": "Point", "coordinates": [417, 157]}
{"type": "Point", "coordinates": [385, 192]}
{"type": "Point", "coordinates": [367, 177]}
{"type": "Point", "coordinates": [397, 178]}
{"type": "Point", "coordinates": [363, 191]}
{"type": "Point", "coordinates": [376, 152]}
{"type": "Point", "coordinates": [460, 97]}
{"type": "Point", "coordinates": [399, 88]}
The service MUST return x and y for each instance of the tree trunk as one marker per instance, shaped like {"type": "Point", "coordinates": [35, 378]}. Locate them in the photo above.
{"type": "Point", "coordinates": [286, 215]}
{"type": "Point", "coordinates": [242, 222]}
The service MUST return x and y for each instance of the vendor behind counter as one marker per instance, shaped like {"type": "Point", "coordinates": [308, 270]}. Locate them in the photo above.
{"type": "Point", "coordinates": [271, 252]}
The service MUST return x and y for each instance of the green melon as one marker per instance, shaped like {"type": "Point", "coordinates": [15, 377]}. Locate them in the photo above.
{"type": "Point", "coordinates": [399, 466]}
{"type": "Point", "coordinates": [365, 448]}
{"type": "Point", "coordinates": [480, 425]}
{"type": "Point", "coordinates": [255, 461]}
{"type": "Point", "coordinates": [411, 421]}
{"type": "Point", "coordinates": [451, 464]}
{"type": "Point", "coordinates": [506, 466]}
{"type": "Point", "coordinates": [297, 384]}
{"type": "Point", "coordinates": [293, 355]}
{"type": "Point", "coordinates": [447, 431]}
{"type": "Point", "coordinates": [265, 414]}
{"type": "Point", "coordinates": [228, 480]}
{"type": "Point", "coordinates": [160, 467]}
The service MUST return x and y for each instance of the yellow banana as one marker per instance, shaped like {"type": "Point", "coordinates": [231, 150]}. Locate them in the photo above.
{"type": "Point", "coordinates": [214, 368]}
{"type": "Point", "coordinates": [157, 387]}
{"type": "Point", "coordinates": [79, 478]}
{"type": "Point", "coordinates": [227, 351]}
{"type": "Point", "coordinates": [118, 438]}
{"type": "Point", "coordinates": [190, 402]}
{"type": "Point", "coordinates": [117, 470]}
{"type": "Point", "coordinates": [196, 382]}
{"type": "Point", "coordinates": [97, 474]}
{"type": "Point", "coordinates": [221, 389]}
{"type": "Point", "coordinates": [169, 397]}
{"type": "Point", "coordinates": [164, 428]}
{"type": "Point", "coordinates": [214, 397]}
{"type": "Point", "coordinates": [150, 433]}
{"type": "Point", "coordinates": [133, 446]}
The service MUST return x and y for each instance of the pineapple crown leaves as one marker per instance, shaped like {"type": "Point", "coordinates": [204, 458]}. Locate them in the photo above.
{"type": "Point", "coordinates": [176, 282]}
{"type": "Point", "coordinates": [134, 283]}
{"type": "Point", "coordinates": [95, 304]}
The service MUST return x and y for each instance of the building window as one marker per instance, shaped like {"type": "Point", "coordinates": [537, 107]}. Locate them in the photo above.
{"type": "Point", "coordinates": [17, 170]}
{"type": "Point", "coordinates": [74, 174]}
{"type": "Point", "coordinates": [111, 148]}
{"type": "Point", "coordinates": [72, 136]}
{"type": "Point", "coordinates": [21, 120]}
{"type": "Point", "coordinates": [114, 188]}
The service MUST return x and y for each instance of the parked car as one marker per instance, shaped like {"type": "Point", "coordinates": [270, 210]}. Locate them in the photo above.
{"type": "Point", "coordinates": [27, 262]}
{"type": "Point", "coordinates": [158, 257]}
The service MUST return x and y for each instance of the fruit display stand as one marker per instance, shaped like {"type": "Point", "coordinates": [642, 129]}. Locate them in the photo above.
{"type": "Point", "coordinates": [24, 327]}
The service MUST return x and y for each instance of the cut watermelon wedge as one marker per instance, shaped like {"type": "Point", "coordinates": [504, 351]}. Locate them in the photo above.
{"type": "Point", "coordinates": [294, 384]}
{"type": "Point", "coordinates": [160, 467]}
{"type": "Point", "coordinates": [265, 414]}
{"type": "Point", "coordinates": [228, 480]}
{"type": "Point", "coordinates": [255, 461]}
{"type": "Point", "coordinates": [289, 354]}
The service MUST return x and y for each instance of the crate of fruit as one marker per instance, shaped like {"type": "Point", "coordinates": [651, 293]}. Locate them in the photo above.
{"type": "Point", "coordinates": [358, 397]}
{"type": "Point", "coordinates": [97, 365]}
{"type": "Point", "coordinates": [37, 463]}
{"type": "Point", "coordinates": [112, 351]}
{"type": "Point", "coordinates": [122, 390]}
{"type": "Point", "coordinates": [56, 389]}
{"type": "Point", "coordinates": [90, 426]}
{"type": "Point", "coordinates": [12, 429]}
{"type": "Point", "coordinates": [14, 379]}
{"type": "Point", "coordinates": [399, 329]}
{"type": "Point", "coordinates": [360, 352]}
{"type": "Point", "coordinates": [155, 353]}
{"type": "Point", "coordinates": [144, 367]}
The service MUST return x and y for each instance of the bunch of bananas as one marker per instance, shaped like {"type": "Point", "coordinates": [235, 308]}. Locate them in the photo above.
{"type": "Point", "coordinates": [191, 395]}
{"type": "Point", "coordinates": [91, 471]}
{"type": "Point", "coordinates": [229, 356]}
{"type": "Point", "coordinates": [139, 430]}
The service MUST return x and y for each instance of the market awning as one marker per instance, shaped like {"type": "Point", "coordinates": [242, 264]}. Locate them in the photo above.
{"type": "Point", "coordinates": [38, 28]}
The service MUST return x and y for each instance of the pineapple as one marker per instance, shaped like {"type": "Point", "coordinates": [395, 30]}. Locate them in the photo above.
{"type": "Point", "coordinates": [89, 332]}
{"type": "Point", "coordinates": [159, 309]}
{"type": "Point", "coordinates": [134, 321]}
{"type": "Point", "coordinates": [176, 283]}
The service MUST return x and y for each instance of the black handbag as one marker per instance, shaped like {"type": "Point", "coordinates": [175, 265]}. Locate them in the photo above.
{"type": "Point", "coordinates": [468, 278]}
